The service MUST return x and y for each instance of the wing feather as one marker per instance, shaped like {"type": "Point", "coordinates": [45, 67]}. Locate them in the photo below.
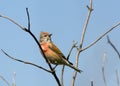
{"type": "Point", "coordinates": [56, 50]}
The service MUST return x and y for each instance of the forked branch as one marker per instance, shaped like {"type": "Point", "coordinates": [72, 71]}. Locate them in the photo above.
{"type": "Point", "coordinates": [25, 62]}
{"type": "Point", "coordinates": [113, 46]}
{"type": "Point", "coordinates": [2, 77]}
{"type": "Point", "coordinates": [100, 37]}
{"type": "Point", "coordinates": [90, 9]}
{"type": "Point", "coordinates": [33, 36]}
{"type": "Point", "coordinates": [69, 53]}
{"type": "Point", "coordinates": [92, 83]}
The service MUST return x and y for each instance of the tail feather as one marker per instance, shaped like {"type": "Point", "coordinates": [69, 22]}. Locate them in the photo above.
{"type": "Point", "coordinates": [75, 68]}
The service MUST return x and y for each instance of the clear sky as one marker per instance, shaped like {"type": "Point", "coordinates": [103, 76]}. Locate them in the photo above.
{"type": "Point", "coordinates": [65, 20]}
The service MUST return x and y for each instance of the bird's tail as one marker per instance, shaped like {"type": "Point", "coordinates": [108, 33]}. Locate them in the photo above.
{"type": "Point", "coordinates": [75, 68]}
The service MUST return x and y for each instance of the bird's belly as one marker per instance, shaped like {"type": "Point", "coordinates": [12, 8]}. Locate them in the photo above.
{"type": "Point", "coordinates": [54, 58]}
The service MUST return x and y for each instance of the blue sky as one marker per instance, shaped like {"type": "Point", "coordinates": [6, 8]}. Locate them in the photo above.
{"type": "Point", "coordinates": [65, 20]}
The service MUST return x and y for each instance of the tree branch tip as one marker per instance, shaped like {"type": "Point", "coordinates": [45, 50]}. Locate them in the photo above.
{"type": "Point", "coordinates": [74, 43]}
{"type": "Point", "coordinates": [26, 8]}
{"type": "Point", "coordinates": [28, 18]}
{"type": "Point", "coordinates": [3, 51]}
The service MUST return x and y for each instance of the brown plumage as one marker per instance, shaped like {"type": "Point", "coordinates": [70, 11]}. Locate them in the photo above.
{"type": "Point", "coordinates": [52, 53]}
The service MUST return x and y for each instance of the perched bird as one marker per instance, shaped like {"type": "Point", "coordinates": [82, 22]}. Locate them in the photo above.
{"type": "Point", "coordinates": [52, 53]}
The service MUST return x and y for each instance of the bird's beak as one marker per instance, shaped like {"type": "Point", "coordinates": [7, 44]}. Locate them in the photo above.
{"type": "Point", "coordinates": [50, 35]}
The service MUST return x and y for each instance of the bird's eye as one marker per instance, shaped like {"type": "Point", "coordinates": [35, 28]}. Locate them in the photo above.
{"type": "Point", "coordinates": [45, 35]}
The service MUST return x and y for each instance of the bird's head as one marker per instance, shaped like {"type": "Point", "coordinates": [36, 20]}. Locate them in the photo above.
{"type": "Point", "coordinates": [45, 37]}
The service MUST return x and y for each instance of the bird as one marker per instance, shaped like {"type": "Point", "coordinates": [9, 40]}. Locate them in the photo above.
{"type": "Point", "coordinates": [52, 52]}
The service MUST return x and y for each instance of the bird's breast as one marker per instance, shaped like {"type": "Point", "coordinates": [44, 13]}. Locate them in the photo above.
{"type": "Point", "coordinates": [44, 47]}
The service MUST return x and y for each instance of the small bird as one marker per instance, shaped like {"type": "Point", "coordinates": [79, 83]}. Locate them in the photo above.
{"type": "Point", "coordinates": [52, 53]}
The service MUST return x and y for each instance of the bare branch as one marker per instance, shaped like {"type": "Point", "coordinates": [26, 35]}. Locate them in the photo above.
{"type": "Point", "coordinates": [90, 9]}
{"type": "Point", "coordinates": [113, 46]}
{"type": "Point", "coordinates": [25, 62]}
{"type": "Point", "coordinates": [14, 79]}
{"type": "Point", "coordinates": [104, 58]}
{"type": "Point", "coordinates": [4, 80]}
{"type": "Point", "coordinates": [28, 30]}
{"type": "Point", "coordinates": [117, 78]}
{"type": "Point", "coordinates": [73, 46]}
{"type": "Point", "coordinates": [92, 83]}
{"type": "Point", "coordinates": [62, 72]}
{"type": "Point", "coordinates": [12, 21]}
{"type": "Point", "coordinates": [52, 69]}
{"type": "Point", "coordinates": [100, 37]}
{"type": "Point", "coordinates": [28, 18]}
{"type": "Point", "coordinates": [103, 74]}
{"type": "Point", "coordinates": [103, 71]}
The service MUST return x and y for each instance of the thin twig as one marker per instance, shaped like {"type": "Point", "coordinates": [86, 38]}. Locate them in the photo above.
{"type": "Point", "coordinates": [14, 79]}
{"type": "Point", "coordinates": [33, 36]}
{"type": "Point", "coordinates": [4, 80]}
{"type": "Point", "coordinates": [25, 62]}
{"type": "Point", "coordinates": [73, 46]}
{"type": "Point", "coordinates": [100, 37]}
{"type": "Point", "coordinates": [104, 58]}
{"type": "Point", "coordinates": [117, 78]}
{"type": "Point", "coordinates": [103, 67]}
{"type": "Point", "coordinates": [12, 21]}
{"type": "Point", "coordinates": [90, 9]}
{"type": "Point", "coordinates": [103, 74]}
{"type": "Point", "coordinates": [113, 46]}
{"type": "Point", "coordinates": [92, 83]}
{"type": "Point", "coordinates": [52, 69]}
{"type": "Point", "coordinates": [62, 72]}
{"type": "Point", "coordinates": [28, 18]}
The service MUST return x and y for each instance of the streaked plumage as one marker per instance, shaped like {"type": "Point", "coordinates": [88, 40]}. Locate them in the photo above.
{"type": "Point", "coordinates": [52, 53]}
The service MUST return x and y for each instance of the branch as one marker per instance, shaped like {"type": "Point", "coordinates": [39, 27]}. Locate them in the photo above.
{"type": "Point", "coordinates": [73, 46]}
{"type": "Point", "coordinates": [103, 74]}
{"type": "Point", "coordinates": [100, 37]}
{"type": "Point", "coordinates": [113, 46]}
{"type": "Point", "coordinates": [117, 77]}
{"type": "Point", "coordinates": [103, 67]}
{"type": "Point", "coordinates": [62, 72]}
{"type": "Point", "coordinates": [14, 79]}
{"type": "Point", "coordinates": [25, 62]}
{"type": "Point", "coordinates": [52, 69]}
{"type": "Point", "coordinates": [92, 83]}
{"type": "Point", "coordinates": [4, 80]}
{"type": "Point", "coordinates": [104, 58]}
{"type": "Point", "coordinates": [90, 9]}
{"type": "Point", "coordinates": [12, 21]}
{"type": "Point", "coordinates": [28, 18]}
{"type": "Point", "coordinates": [33, 36]}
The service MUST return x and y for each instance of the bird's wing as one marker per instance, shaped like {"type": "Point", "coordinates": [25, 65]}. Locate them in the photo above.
{"type": "Point", "coordinates": [56, 50]}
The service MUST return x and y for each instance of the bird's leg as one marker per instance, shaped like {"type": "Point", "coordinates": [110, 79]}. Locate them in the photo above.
{"type": "Point", "coordinates": [55, 66]}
